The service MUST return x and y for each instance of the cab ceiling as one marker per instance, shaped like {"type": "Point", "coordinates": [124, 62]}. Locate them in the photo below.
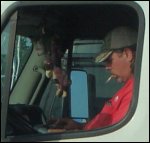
{"type": "Point", "coordinates": [70, 22]}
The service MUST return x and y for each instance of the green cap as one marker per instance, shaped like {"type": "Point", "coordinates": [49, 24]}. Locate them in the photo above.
{"type": "Point", "coordinates": [121, 37]}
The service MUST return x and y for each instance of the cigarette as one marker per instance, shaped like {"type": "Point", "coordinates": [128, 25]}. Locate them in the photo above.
{"type": "Point", "coordinates": [112, 76]}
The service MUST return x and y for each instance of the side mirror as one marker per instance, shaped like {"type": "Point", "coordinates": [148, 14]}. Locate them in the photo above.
{"type": "Point", "coordinates": [79, 96]}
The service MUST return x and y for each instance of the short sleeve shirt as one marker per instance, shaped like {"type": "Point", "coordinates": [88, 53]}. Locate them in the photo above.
{"type": "Point", "coordinates": [114, 109]}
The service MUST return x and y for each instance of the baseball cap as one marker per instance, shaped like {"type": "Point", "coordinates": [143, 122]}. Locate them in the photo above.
{"type": "Point", "coordinates": [121, 37]}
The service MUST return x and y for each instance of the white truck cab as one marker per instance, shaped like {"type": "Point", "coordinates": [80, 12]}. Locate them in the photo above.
{"type": "Point", "coordinates": [29, 97]}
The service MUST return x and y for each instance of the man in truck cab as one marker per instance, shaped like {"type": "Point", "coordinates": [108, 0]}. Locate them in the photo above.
{"type": "Point", "coordinates": [119, 57]}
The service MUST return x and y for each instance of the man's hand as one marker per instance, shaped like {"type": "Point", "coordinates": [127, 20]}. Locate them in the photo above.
{"type": "Point", "coordinates": [65, 123]}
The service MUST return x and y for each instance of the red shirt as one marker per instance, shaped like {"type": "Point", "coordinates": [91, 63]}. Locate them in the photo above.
{"type": "Point", "coordinates": [115, 109]}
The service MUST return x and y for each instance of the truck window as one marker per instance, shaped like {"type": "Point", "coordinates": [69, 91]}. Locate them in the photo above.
{"type": "Point", "coordinates": [34, 106]}
{"type": "Point", "coordinates": [23, 49]}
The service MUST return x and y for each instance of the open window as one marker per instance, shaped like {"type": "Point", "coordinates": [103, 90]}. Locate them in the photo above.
{"type": "Point", "coordinates": [27, 92]}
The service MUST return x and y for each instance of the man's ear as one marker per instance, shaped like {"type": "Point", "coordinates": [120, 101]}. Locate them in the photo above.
{"type": "Point", "coordinates": [128, 53]}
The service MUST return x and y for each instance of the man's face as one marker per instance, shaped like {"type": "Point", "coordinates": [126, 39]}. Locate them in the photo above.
{"type": "Point", "coordinates": [118, 63]}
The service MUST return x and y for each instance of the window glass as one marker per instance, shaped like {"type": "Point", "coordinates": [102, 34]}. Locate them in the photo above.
{"type": "Point", "coordinates": [86, 46]}
{"type": "Point", "coordinates": [23, 48]}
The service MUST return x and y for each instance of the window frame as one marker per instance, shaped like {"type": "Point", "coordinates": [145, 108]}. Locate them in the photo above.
{"type": "Point", "coordinates": [7, 82]}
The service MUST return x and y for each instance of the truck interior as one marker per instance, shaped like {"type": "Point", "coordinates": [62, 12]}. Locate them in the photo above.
{"type": "Point", "coordinates": [81, 29]}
